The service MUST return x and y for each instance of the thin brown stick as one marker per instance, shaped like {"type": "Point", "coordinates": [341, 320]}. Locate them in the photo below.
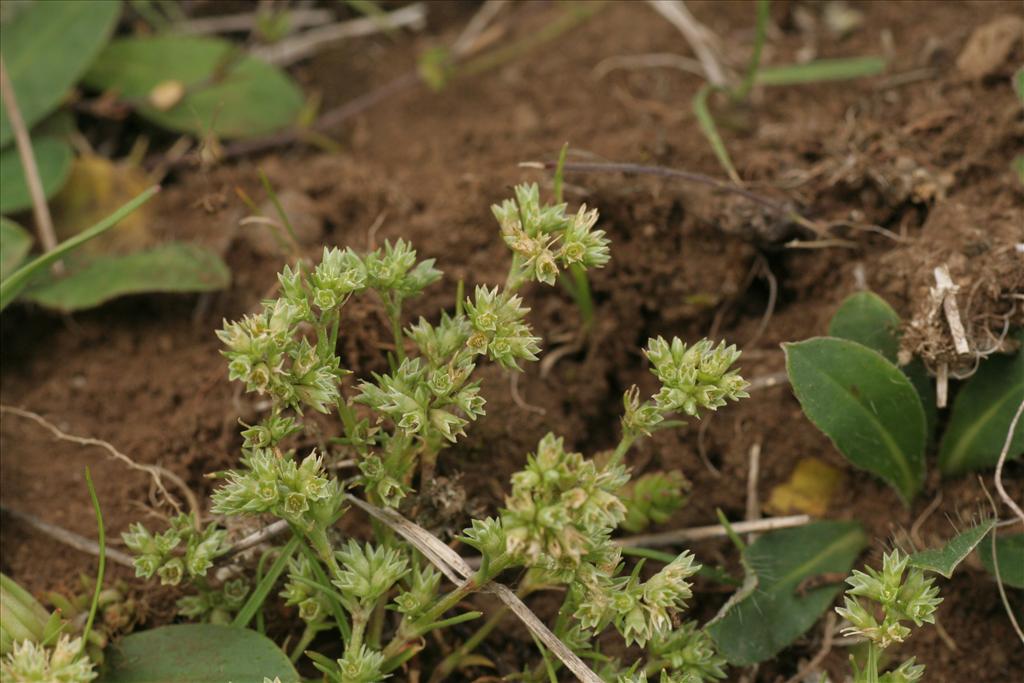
{"type": "Point", "coordinates": [69, 538]}
{"type": "Point", "coordinates": [453, 566]}
{"type": "Point", "coordinates": [826, 647]}
{"type": "Point", "coordinates": [156, 472]}
{"type": "Point", "coordinates": [1010, 503]}
{"type": "Point", "coordinates": [712, 531]}
{"type": "Point", "coordinates": [995, 563]}
{"type": "Point", "coordinates": [44, 223]}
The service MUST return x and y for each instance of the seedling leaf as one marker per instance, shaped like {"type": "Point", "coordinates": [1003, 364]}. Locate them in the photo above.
{"type": "Point", "coordinates": [1010, 551]}
{"type": "Point", "coordinates": [197, 653]}
{"type": "Point", "coordinates": [982, 412]}
{"type": "Point", "coordinates": [15, 244]}
{"type": "Point", "coordinates": [777, 611]}
{"type": "Point", "coordinates": [171, 267]}
{"type": "Point", "coordinates": [945, 559]}
{"type": "Point", "coordinates": [226, 93]}
{"type": "Point", "coordinates": [47, 47]}
{"type": "Point", "coordinates": [864, 404]}
{"type": "Point", "coordinates": [867, 319]}
{"type": "Point", "coordinates": [53, 159]}
{"type": "Point", "coordinates": [710, 131]}
{"type": "Point", "coordinates": [11, 286]}
{"type": "Point", "coordinates": [821, 70]}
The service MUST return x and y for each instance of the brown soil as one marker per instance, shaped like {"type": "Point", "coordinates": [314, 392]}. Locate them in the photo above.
{"type": "Point", "coordinates": [927, 158]}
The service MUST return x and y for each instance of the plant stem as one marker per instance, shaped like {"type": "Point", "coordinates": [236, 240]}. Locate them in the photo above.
{"type": "Point", "coordinates": [394, 311]}
{"type": "Point", "coordinates": [763, 9]}
{"type": "Point", "coordinates": [452, 661]}
{"type": "Point", "coordinates": [625, 442]}
{"type": "Point", "coordinates": [308, 634]}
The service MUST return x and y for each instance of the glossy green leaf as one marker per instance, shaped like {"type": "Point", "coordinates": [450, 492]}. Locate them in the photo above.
{"type": "Point", "coordinates": [777, 612]}
{"type": "Point", "coordinates": [228, 93]}
{"type": "Point", "coordinates": [945, 559]}
{"type": "Point", "coordinates": [982, 412]}
{"type": "Point", "coordinates": [171, 267]}
{"type": "Point", "coordinates": [15, 243]}
{"type": "Point", "coordinates": [53, 159]}
{"type": "Point", "coordinates": [47, 47]}
{"type": "Point", "coordinates": [864, 404]}
{"type": "Point", "coordinates": [821, 70]}
{"type": "Point", "coordinates": [1010, 551]}
{"type": "Point", "coordinates": [866, 318]}
{"type": "Point", "coordinates": [12, 286]}
{"type": "Point", "coordinates": [196, 653]}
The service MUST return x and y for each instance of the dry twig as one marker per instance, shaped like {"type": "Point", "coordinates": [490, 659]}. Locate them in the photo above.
{"type": "Point", "coordinates": [69, 538]}
{"type": "Point", "coordinates": [699, 533]}
{"type": "Point", "coordinates": [696, 34]}
{"type": "Point", "coordinates": [1010, 503]}
{"type": "Point", "coordinates": [826, 647]}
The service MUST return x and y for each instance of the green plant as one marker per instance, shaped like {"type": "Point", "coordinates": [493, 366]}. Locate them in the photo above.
{"type": "Point", "coordinates": [383, 597]}
{"type": "Point", "coordinates": [882, 417]}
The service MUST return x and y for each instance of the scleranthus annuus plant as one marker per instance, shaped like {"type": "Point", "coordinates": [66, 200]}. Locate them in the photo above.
{"type": "Point", "coordinates": [382, 597]}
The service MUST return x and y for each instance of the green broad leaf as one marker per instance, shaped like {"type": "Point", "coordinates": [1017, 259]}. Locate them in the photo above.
{"type": "Point", "coordinates": [945, 559]}
{"type": "Point", "coordinates": [47, 47]}
{"type": "Point", "coordinates": [15, 243]}
{"type": "Point", "coordinates": [820, 71]}
{"type": "Point", "coordinates": [53, 159]}
{"type": "Point", "coordinates": [173, 267]}
{"type": "Point", "coordinates": [12, 286]}
{"type": "Point", "coordinates": [777, 612]}
{"type": "Point", "coordinates": [982, 412]}
{"type": "Point", "coordinates": [867, 319]}
{"type": "Point", "coordinates": [864, 404]}
{"type": "Point", "coordinates": [1010, 551]}
{"type": "Point", "coordinates": [226, 93]}
{"type": "Point", "coordinates": [196, 653]}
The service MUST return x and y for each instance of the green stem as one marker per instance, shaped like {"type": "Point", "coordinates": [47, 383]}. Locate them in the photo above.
{"type": "Point", "coordinates": [871, 667]}
{"type": "Point", "coordinates": [581, 294]}
{"type": "Point", "coordinates": [358, 628]}
{"type": "Point", "coordinates": [308, 634]}
{"type": "Point", "coordinates": [763, 8]}
{"type": "Point", "coordinates": [101, 537]}
{"type": "Point", "coordinates": [620, 451]}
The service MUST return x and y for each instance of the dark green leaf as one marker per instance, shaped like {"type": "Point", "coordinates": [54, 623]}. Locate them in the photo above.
{"type": "Point", "coordinates": [1010, 551]}
{"type": "Point", "coordinates": [15, 244]}
{"type": "Point", "coordinates": [945, 559]}
{"type": "Point", "coordinates": [228, 94]}
{"type": "Point", "coordinates": [47, 47]}
{"type": "Point", "coordinates": [925, 388]}
{"type": "Point", "coordinates": [197, 653]}
{"type": "Point", "coordinates": [866, 318]}
{"type": "Point", "coordinates": [777, 612]}
{"type": "Point", "coordinates": [53, 159]}
{"type": "Point", "coordinates": [172, 267]}
{"type": "Point", "coordinates": [11, 286]}
{"type": "Point", "coordinates": [865, 405]}
{"type": "Point", "coordinates": [982, 412]}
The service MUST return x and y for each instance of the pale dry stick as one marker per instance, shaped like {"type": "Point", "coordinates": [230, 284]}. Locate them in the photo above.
{"type": "Point", "coordinates": [769, 309]}
{"type": "Point", "coordinates": [237, 23]}
{"type": "Point", "coordinates": [41, 211]}
{"type": "Point", "coordinates": [466, 41]}
{"type": "Point", "coordinates": [768, 381]}
{"type": "Point", "coordinates": [700, 533]}
{"type": "Point", "coordinates": [513, 388]}
{"type": "Point", "coordinates": [1002, 461]}
{"type": "Point", "coordinates": [453, 566]}
{"type": "Point", "coordinates": [995, 561]}
{"type": "Point", "coordinates": [915, 528]}
{"type": "Point", "coordinates": [646, 61]}
{"type": "Point", "coordinates": [826, 647]}
{"type": "Point", "coordinates": [69, 538]}
{"type": "Point", "coordinates": [259, 536]}
{"type": "Point", "coordinates": [947, 292]}
{"type": "Point", "coordinates": [300, 46]}
{"type": "Point", "coordinates": [156, 472]}
{"type": "Point", "coordinates": [702, 450]}
{"type": "Point", "coordinates": [753, 476]}
{"type": "Point", "coordinates": [696, 34]}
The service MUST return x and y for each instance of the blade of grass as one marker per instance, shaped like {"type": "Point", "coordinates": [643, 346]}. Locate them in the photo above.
{"type": "Point", "coordinates": [265, 585]}
{"type": "Point", "coordinates": [763, 10]}
{"type": "Point", "coordinates": [12, 286]}
{"type": "Point", "coordinates": [821, 70]}
{"type": "Point", "coordinates": [710, 131]}
{"type": "Point", "coordinates": [101, 538]}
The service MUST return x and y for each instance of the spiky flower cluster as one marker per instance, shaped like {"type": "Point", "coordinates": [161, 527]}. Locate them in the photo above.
{"type": "Point", "coordinates": [263, 353]}
{"type": "Point", "coordinates": [640, 610]}
{"type": "Point", "coordinates": [912, 598]}
{"type": "Point", "coordinates": [562, 508]}
{"type": "Point", "coordinates": [652, 499]}
{"type": "Point", "coordinates": [542, 237]}
{"type": "Point", "coordinates": [367, 572]}
{"type": "Point", "coordinates": [688, 655]}
{"type": "Point", "coordinates": [300, 591]}
{"type": "Point", "coordinates": [422, 401]}
{"type": "Point", "coordinates": [499, 332]}
{"type": "Point", "coordinates": [215, 605]}
{"type": "Point", "coordinates": [31, 662]}
{"type": "Point", "coordinates": [181, 551]}
{"type": "Point", "coordinates": [359, 665]}
{"type": "Point", "coordinates": [274, 482]}
{"type": "Point", "coordinates": [423, 585]}
{"type": "Point", "coordinates": [695, 377]}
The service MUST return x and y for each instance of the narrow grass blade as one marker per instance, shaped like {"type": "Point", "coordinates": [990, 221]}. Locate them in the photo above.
{"type": "Point", "coordinates": [259, 595]}
{"type": "Point", "coordinates": [821, 70]}
{"type": "Point", "coordinates": [710, 131]}
{"type": "Point", "coordinates": [101, 539]}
